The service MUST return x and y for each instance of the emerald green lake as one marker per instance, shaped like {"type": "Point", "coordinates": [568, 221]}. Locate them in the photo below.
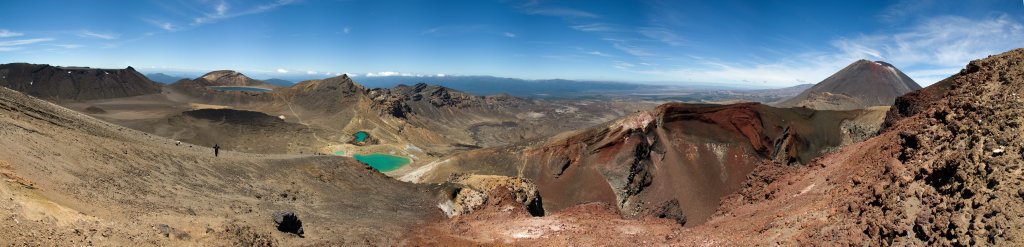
{"type": "Point", "coordinates": [361, 136]}
{"type": "Point", "coordinates": [383, 162]}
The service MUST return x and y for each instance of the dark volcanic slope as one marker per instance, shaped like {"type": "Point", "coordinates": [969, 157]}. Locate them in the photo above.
{"type": "Point", "coordinates": [241, 130]}
{"type": "Point", "coordinates": [676, 161]}
{"type": "Point", "coordinates": [860, 85]}
{"type": "Point", "coordinates": [75, 83]}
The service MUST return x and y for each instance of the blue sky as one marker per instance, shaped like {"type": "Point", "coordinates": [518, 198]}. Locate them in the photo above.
{"type": "Point", "coordinates": [757, 43]}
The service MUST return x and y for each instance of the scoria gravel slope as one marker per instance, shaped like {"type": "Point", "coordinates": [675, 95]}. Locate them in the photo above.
{"type": "Point", "coordinates": [946, 172]}
{"type": "Point", "coordinates": [69, 179]}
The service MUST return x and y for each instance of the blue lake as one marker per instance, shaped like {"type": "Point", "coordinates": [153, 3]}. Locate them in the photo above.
{"type": "Point", "coordinates": [233, 88]}
{"type": "Point", "coordinates": [361, 136]}
{"type": "Point", "coordinates": [383, 162]}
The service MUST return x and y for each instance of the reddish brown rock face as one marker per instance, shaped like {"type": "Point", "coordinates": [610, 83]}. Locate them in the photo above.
{"type": "Point", "coordinates": [675, 161]}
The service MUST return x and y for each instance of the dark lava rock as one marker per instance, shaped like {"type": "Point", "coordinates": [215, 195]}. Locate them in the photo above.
{"type": "Point", "coordinates": [671, 210]}
{"type": "Point", "coordinates": [287, 221]}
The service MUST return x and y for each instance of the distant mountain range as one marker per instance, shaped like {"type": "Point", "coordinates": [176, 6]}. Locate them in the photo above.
{"type": "Point", "coordinates": [164, 78]}
{"type": "Point", "coordinates": [279, 82]}
{"type": "Point", "coordinates": [561, 88]}
{"type": "Point", "coordinates": [490, 85]}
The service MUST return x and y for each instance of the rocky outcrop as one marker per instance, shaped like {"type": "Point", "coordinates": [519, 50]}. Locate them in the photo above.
{"type": "Point", "coordinates": [389, 104]}
{"type": "Point", "coordinates": [476, 192]}
{"type": "Point", "coordinates": [75, 83]}
{"type": "Point", "coordinates": [957, 179]}
{"type": "Point", "coordinates": [916, 102]}
{"type": "Point", "coordinates": [439, 96]}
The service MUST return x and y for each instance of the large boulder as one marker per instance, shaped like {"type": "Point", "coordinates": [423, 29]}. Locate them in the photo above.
{"type": "Point", "coordinates": [287, 221]}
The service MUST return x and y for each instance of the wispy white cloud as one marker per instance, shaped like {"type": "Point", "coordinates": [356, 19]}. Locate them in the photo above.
{"type": "Point", "coordinates": [222, 11]}
{"type": "Point", "coordinates": [165, 25]}
{"type": "Point", "coordinates": [623, 65]}
{"type": "Point", "coordinates": [14, 45]}
{"type": "Point", "coordinates": [8, 43]}
{"type": "Point", "coordinates": [98, 35]}
{"type": "Point", "coordinates": [597, 27]}
{"type": "Point", "coordinates": [4, 33]}
{"type": "Point", "coordinates": [561, 12]}
{"type": "Point", "coordinates": [928, 51]}
{"type": "Point", "coordinates": [904, 9]}
{"type": "Point", "coordinates": [638, 41]}
{"type": "Point", "coordinates": [282, 71]}
{"type": "Point", "coordinates": [479, 29]}
{"type": "Point", "coordinates": [629, 48]}
{"type": "Point", "coordinates": [440, 30]}
{"type": "Point", "coordinates": [662, 34]}
{"type": "Point", "coordinates": [346, 30]}
{"type": "Point", "coordinates": [535, 7]}
{"type": "Point", "coordinates": [310, 72]}
{"type": "Point", "coordinates": [598, 53]}
{"type": "Point", "coordinates": [69, 46]}
{"type": "Point", "coordinates": [221, 8]}
{"type": "Point", "coordinates": [944, 41]}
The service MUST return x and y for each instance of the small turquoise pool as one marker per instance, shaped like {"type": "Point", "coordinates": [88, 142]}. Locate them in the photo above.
{"type": "Point", "coordinates": [383, 162]}
{"type": "Point", "coordinates": [361, 136]}
{"type": "Point", "coordinates": [250, 89]}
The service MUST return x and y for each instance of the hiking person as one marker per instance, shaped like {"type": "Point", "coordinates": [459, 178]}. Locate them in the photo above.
{"type": "Point", "coordinates": [216, 150]}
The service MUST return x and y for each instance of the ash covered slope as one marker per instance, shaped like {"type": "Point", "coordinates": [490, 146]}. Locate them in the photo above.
{"type": "Point", "coordinates": [78, 181]}
{"type": "Point", "coordinates": [75, 83]}
{"type": "Point", "coordinates": [860, 85]}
